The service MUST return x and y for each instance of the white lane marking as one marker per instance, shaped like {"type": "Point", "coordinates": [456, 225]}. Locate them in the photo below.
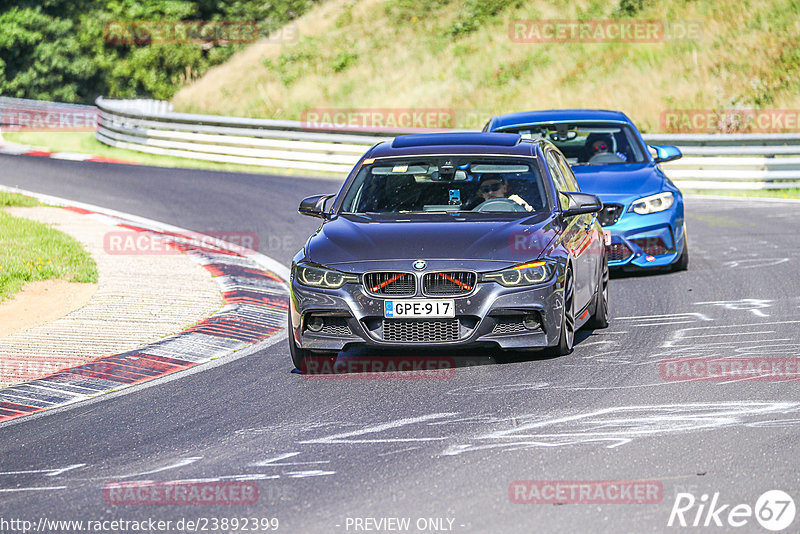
{"type": "Point", "coordinates": [699, 316]}
{"type": "Point", "coordinates": [274, 461]}
{"type": "Point", "coordinates": [48, 488]}
{"type": "Point", "coordinates": [180, 463]}
{"type": "Point", "coordinates": [341, 438]}
{"type": "Point", "coordinates": [49, 472]}
{"type": "Point", "coordinates": [662, 324]}
{"type": "Point", "coordinates": [306, 474]}
{"type": "Point", "coordinates": [754, 263]}
{"type": "Point", "coordinates": [733, 334]}
{"type": "Point", "coordinates": [683, 333]}
{"type": "Point", "coordinates": [622, 424]}
{"type": "Point", "coordinates": [752, 305]}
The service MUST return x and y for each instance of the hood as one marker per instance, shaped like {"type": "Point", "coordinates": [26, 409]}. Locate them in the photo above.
{"type": "Point", "coordinates": [621, 179]}
{"type": "Point", "coordinates": [361, 238]}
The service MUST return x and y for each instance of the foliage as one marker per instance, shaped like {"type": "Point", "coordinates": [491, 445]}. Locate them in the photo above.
{"type": "Point", "coordinates": [57, 49]}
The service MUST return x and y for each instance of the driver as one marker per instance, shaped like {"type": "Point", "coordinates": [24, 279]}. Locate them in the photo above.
{"type": "Point", "coordinates": [493, 186]}
{"type": "Point", "coordinates": [600, 149]}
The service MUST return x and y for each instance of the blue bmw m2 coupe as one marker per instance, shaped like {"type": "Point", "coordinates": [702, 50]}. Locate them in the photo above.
{"type": "Point", "coordinates": [642, 212]}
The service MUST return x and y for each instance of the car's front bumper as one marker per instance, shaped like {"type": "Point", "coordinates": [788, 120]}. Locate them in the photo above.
{"type": "Point", "coordinates": [489, 317]}
{"type": "Point", "coordinates": [646, 241]}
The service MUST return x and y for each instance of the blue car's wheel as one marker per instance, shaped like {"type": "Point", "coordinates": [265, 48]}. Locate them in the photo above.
{"type": "Point", "coordinates": [683, 260]}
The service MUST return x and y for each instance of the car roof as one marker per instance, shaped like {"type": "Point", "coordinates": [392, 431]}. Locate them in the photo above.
{"type": "Point", "coordinates": [454, 143]}
{"type": "Point", "coordinates": [556, 115]}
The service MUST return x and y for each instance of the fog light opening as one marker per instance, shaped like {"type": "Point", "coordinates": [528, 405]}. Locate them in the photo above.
{"type": "Point", "coordinates": [531, 321]}
{"type": "Point", "coordinates": [315, 323]}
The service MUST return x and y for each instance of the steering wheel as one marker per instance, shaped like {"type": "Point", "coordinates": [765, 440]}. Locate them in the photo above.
{"type": "Point", "coordinates": [499, 204]}
{"type": "Point", "coordinates": [606, 157]}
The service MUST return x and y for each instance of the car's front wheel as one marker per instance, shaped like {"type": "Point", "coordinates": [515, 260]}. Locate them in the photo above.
{"type": "Point", "coordinates": [567, 337]}
{"type": "Point", "coordinates": [308, 361]}
{"type": "Point", "coordinates": [683, 260]}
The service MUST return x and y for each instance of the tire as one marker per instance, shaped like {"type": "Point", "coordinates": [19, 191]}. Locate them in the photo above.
{"type": "Point", "coordinates": [567, 337]}
{"type": "Point", "coordinates": [298, 355]}
{"type": "Point", "coordinates": [683, 260]}
{"type": "Point", "coordinates": [321, 362]}
{"type": "Point", "coordinates": [599, 318]}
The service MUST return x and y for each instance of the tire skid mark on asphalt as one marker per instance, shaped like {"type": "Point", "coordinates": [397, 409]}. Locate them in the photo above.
{"type": "Point", "coordinates": [610, 427]}
{"type": "Point", "coordinates": [256, 302]}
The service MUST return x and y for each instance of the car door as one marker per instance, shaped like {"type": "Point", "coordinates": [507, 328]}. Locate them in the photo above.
{"type": "Point", "coordinates": [577, 234]}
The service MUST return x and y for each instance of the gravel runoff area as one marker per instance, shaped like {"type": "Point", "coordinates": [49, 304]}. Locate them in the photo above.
{"type": "Point", "coordinates": [140, 298]}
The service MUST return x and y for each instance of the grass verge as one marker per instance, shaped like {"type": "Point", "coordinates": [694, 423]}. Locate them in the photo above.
{"type": "Point", "coordinates": [86, 143]}
{"type": "Point", "coordinates": [31, 251]}
{"type": "Point", "coordinates": [15, 199]}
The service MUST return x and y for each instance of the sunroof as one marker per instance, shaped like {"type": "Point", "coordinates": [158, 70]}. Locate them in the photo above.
{"type": "Point", "coordinates": [455, 139]}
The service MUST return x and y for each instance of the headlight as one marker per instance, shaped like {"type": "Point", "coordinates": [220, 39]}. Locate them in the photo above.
{"type": "Point", "coordinates": [653, 203]}
{"type": "Point", "coordinates": [322, 277]}
{"type": "Point", "coordinates": [526, 274]}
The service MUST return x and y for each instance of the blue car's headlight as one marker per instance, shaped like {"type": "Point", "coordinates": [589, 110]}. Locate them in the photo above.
{"type": "Point", "coordinates": [526, 274]}
{"type": "Point", "coordinates": [653, 203]}
{"type": "Point", "coordinates": [317, 276]}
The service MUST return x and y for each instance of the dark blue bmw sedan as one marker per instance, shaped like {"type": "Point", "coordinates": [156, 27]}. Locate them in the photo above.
{"type": "Point", "coordinates": [450, 240]}
{"type": "Point", "coordinates": [642, 209]}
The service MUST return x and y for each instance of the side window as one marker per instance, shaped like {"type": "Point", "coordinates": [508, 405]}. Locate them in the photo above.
{"type": "Point", "coordinates": [569, 176]}
{"type": "Point", "coordinates": [558, 178]}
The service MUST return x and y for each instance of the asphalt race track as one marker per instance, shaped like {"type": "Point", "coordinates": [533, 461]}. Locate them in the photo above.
{"type": "Point", "coordinates": [323, 451]}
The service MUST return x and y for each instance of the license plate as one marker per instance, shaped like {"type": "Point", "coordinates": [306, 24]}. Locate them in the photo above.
{"type": "Point", "coordinates": [607, 237]}
{"type": "Point", "coordinates": [419, 308]}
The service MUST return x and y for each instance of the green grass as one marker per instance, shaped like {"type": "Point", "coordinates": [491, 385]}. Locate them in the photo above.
{"type": "Point", "coordinates": [31, 251]}
{"type": "Point", "coordinates": [458, 55]}
{"type": "Point", "coordinates": [15, 199]}
{"type": "Point", "coordinates": [757, 193]}
{"type": "Point", "coordinates": [85, 142]}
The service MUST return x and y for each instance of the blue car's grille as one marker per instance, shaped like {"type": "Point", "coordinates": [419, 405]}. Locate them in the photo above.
{"type": "Point", "coordinates": [443, 284]}
{"type": "Point", "coordinates": [618, 252]}
{"type": "Point", "coordinates": [389, 283]}
{"type": "Point", "coordinates": [653, 246]}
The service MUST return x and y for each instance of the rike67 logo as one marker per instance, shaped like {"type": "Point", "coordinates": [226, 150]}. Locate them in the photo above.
{"type": "Point", "coordinates": [774, 510]}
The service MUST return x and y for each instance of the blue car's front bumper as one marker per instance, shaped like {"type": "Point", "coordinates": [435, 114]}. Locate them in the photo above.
{"type": "Point", "coordinates": [647, 241]}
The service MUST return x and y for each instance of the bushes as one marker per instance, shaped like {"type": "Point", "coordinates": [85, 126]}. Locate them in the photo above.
{"type": "Point", "coordinates": [55, 49]}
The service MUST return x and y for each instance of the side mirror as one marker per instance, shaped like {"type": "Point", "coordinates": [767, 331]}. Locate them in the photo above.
{"type": "Point", "coordinates": [580, 203]}
{"type": "Point", "coordinates": [666, 153]}
{"type": "Point", "coordinates": [314, 206]}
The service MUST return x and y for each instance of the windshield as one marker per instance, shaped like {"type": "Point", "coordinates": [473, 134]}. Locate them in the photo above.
{"type": "Point", "coordinates": [589, 143]}
{"type": "Point", "coordinates": [447, 184]}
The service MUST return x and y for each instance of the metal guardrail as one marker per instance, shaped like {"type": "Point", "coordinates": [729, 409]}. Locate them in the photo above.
{"type": "Point", "coordinates": [711, 161]}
